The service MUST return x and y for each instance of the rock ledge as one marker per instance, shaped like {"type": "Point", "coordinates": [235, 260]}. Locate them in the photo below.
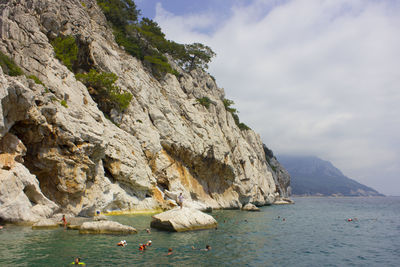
{"type": "Point", "coordinates": [250, 207]}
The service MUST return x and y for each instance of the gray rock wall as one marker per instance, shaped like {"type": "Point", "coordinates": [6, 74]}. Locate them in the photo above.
{"type": "Point", "coordinates": [165, 142]}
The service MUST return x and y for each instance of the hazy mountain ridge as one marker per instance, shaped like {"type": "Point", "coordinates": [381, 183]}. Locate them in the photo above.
{"type": "Point", "coordinates": [312, 176]}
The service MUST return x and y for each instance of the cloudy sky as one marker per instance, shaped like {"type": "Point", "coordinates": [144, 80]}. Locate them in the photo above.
{"type": "Point", "coordinates": [312, 77]}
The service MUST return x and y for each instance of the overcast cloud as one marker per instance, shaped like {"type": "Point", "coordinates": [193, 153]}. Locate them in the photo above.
{"type": "Point", "coordinates": [311, 77]}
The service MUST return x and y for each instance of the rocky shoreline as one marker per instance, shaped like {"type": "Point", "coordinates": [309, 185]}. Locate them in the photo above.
{"type": "Point", "coordinates": [175, 220]}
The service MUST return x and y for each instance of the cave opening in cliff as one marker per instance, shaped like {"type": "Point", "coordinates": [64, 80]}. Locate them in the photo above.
{"type": "Point", "coordinates": [163, 184]}
{"type": "Point", "coordinates": [36, 139]}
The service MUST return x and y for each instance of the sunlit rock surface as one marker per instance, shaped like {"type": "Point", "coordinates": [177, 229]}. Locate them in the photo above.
{"type": "Point", "coordinates": [106, 227]}
{"type": "Point", "coordinates": [183, 219]}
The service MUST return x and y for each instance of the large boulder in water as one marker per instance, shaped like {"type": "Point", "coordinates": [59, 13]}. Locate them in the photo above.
{"type": "Point", "coordinates": [106, 227]}
{"type": "Point", "coordinates": [185, 219]}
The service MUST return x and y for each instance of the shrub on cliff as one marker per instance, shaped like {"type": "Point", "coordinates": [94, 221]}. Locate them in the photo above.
{"type": "Point", "coordinates": [66, 50]}
{"type": "Point", "coordinates": [228, 107]}
{"type": "Point", "coordinates": [104, 92]}
{"type": "Point", "coordinates": [205, 101]}
{"type": "Point", "coordinates": [9, 67]}
{"type": "Point", "coordinates": [35, 79]}
{"type": "Point", "coordinates": [159, 65]}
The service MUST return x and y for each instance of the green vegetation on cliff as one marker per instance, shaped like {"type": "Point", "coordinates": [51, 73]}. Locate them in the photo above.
{"type": "Point", "coordinates": [204, 101]}
{"type": "Point", "coordinates": [145, 40]}
{"type": "Point", "coordinates": [100, 84]}
{"type": "Point", "coordinates": [228, 107]}
{"type": "Point", "coordinates": [101, 87]}
{"type": "Point", "coordinates": [35, 79]}
{"type": "Point", "coordinates": [9, 67]}
{"type": "Point", "coordinates": [66, 50]}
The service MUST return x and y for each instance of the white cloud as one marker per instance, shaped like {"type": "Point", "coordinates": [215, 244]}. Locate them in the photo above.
{"type": "Point", "coordinates": [312, 77]}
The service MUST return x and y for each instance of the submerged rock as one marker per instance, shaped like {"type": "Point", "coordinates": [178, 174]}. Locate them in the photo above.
{"type": "Point", "coordinates": [73, 227]}
{"type": "Point", "coordinates": [185, 219]}
{"type": "Point", "coordinates": [283, 201]}
{"type": "Point", "coordinates": [250, 207]}
{"type": "Point", "coordinates": [106, 227]}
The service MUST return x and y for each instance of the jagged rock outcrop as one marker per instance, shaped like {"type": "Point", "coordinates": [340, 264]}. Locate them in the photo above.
{"type": "Point", "coordinates": [281, 176]}
{"type": "Point", "coordinates": [79, 161]}
{"type": "Point", "coordinates": [183, 219]}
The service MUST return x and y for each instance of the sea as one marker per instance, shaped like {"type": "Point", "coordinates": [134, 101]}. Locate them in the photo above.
{"type": "Point", "coordinates": [312, 232]}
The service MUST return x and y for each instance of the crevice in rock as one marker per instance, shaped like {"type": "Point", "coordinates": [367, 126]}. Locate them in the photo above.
{"type": "Point", "coordinates": [140, 192]}
{"type": "Point", "coordinates": [33, 196]}
{"type": "Point", "coordinates": [193, 195]}
{"type": "Point", "coordinates": [163, 183]}
{"type": "Point", "coordinates": [84, 62]}
{"type": "Point", "coordinates": [108, 174]}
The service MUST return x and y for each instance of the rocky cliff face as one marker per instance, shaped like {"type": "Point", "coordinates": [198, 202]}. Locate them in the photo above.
{"type": "Point", "coordinates": [60, 154]}
{"type": "Point", "coordinates": [280, 174]}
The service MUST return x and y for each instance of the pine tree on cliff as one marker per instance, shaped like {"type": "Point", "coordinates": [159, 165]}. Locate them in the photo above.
{"type": "Point", "coordinates": [129, 33]}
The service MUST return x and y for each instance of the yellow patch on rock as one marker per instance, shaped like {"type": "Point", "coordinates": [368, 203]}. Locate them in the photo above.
{"type": "Point", "coordinates": [157, 195]}
{"type": "Point", "coordinates": [7, 161]}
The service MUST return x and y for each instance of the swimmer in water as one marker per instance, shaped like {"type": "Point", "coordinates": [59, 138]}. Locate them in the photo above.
{"type": "Point", "coordinates": [142, 247]}
{"type": "Point", "coordinates": [122, 243]}
{"type": "Point", "coordinates": [77, 261]}
{"type": "Point", "coordinates": [169, 252]}
{"type": "Point", "coordinates": [208, 247]}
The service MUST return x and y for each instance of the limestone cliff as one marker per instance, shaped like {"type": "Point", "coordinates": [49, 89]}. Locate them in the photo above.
{"type": "Point", "coordinates": [280, 174]}
{"type": "Point", "coordinates": [66, 156]}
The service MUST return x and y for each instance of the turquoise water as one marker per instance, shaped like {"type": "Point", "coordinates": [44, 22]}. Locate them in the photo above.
{"type": "Point", "coordinates": [315, 233]}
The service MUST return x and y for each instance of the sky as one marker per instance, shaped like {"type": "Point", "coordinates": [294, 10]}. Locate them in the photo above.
{"type": "Point", "coordinates": [312, 77]}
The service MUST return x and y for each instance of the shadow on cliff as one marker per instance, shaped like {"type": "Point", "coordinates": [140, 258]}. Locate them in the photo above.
{"type": "Point", "coordinates": [213, 176]}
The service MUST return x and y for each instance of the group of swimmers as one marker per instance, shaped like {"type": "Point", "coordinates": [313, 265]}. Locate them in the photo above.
{"type": "Point", "coordinates": [144, 246]}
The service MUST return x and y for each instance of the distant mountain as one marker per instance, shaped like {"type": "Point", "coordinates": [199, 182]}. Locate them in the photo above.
{"type": "Point", "coordinates": [312, 176]}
